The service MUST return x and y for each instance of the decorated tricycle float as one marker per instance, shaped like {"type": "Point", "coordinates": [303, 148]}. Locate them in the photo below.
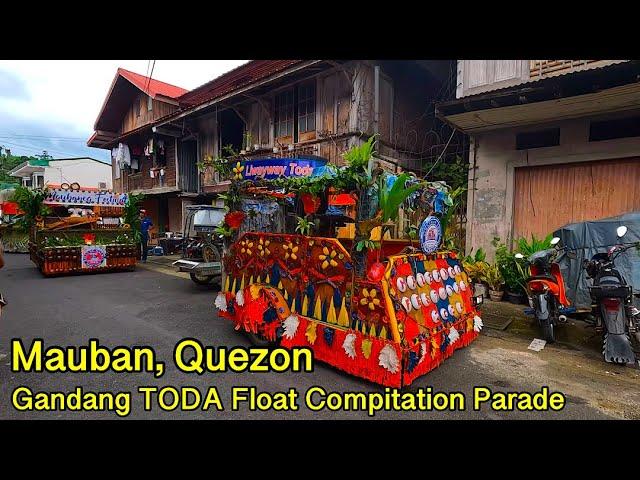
{"type": "Point", "coordinates": [311, 261]}
{"type": "Point", "coordinates": [75, 231]}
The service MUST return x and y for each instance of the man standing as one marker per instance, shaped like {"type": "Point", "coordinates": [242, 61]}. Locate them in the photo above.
{"type": "Point", "coordinates": [146, 225]}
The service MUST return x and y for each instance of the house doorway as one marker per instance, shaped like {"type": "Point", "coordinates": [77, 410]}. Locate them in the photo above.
{"type": "Point", "coordinates": [231, 130]}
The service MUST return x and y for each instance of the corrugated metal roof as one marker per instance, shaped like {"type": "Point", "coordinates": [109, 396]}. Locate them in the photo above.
{"type": "Point", "coordinates": [535, 80]}
{"type": "Point", "coordinates": [239, 77]}
{"type": "Point", "coordinates": [615, 99]}
{"type": "Point", "coordinates": [152, 86]}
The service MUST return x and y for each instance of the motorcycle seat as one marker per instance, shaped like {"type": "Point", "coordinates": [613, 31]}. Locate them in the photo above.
{"type": "Point", "coordinates": [547, 278]}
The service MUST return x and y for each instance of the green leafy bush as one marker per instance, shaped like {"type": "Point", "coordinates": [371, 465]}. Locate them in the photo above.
{"type": "Point", "coordinates": [511, 268]}
{"type": "Point", "coordinates": [537, 245]}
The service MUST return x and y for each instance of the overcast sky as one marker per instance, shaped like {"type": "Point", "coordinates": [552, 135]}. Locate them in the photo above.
{"type": "Point", "coordinates": [52, 105]}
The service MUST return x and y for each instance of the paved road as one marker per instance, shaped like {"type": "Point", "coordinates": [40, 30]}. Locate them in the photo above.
{"type": "Point", "coordinates": [146, 307]}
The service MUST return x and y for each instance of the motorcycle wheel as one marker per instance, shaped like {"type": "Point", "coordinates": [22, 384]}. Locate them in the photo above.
{"type": "Point", "coordinates": [548, 329]}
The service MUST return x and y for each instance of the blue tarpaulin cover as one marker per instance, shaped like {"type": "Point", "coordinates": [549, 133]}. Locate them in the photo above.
{"type": "Point", "coordinates": [583, 240]}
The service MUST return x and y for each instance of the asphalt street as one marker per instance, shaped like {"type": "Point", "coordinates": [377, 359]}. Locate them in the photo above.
{"type": "Point", "coordinates": [147, 307]}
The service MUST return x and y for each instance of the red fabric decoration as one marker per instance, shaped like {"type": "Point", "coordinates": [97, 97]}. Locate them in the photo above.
{"type": "Point", "coordinates": [411, 330]}
{"type": "Point", "coordinates": [310, 203]}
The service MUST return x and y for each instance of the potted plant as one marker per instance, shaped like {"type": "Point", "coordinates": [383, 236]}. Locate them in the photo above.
{"type": "Point", "coordinates": [477, 270]}
{"type": "Point", "coordinates": [512, 272]}
{"type": "Point", "coordinates": [495, 281]}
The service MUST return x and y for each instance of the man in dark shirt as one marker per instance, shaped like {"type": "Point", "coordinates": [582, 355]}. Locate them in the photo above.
{"type": "Point", "coordinates": [146, 225]}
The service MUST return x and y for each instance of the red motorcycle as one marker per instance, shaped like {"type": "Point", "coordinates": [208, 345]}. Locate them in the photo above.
{"type": "Point", "coordinates": [547, 295]}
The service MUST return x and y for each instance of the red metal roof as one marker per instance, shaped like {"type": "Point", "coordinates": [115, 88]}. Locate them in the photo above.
{"type": "Point", "coordinates": [239, 77]}
{"type": "Point", "coordinates": [153, 87]}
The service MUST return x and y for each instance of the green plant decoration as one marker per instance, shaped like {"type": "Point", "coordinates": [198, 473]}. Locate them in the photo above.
{"type": "Point", "coordinates": [390, 201]}
{"type": "Point", "coordinates": [224, 231]}
{"type": "Point", "coordinates": [30, 201]}
{"type": "Point", "coordinates": [132, 215]}
{"type": "Point", "coordinates": [368, 244]}
{"type": "Point", "coordinates": [304, 226]}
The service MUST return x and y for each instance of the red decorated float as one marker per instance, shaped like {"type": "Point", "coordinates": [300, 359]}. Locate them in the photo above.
{"type": "Point", "coordinates": [338, 283]}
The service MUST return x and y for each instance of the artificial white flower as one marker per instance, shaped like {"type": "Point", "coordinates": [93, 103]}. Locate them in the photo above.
{"type": "Point", "coordinates": [389, 359]}
{"type": "Point", "coordinates": [349, 345]}
{"type": "Point", "coordinates": [291, 326]}
{"type": "Point", "coordinates": [477, 323]}
{"type": "Point", "coordinates": [453, 335]}
{"type": "Point", "coordinates": [221, 302]}
{"type": "Point", "coordinates": [240, 297]}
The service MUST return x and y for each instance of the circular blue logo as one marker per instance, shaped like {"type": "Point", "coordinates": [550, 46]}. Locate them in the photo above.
{"type": "Point", "coordinates": [430, 234]}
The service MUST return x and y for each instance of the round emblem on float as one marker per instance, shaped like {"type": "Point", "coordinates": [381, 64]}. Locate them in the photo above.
{"type": "Point", "coordinates": [411, 282]}
{"type": "Point", "coordinates": [427, 277]}
{"type": "Point", "coordinates": [449, 290]}
{"type": "Point", "coordinates": [420, 279]}
{"type": "Point", "coordinates": [430, 234]}
{"type": "Point", "coordinates": [457, 269]}
{"type": "Point", "coordinates": [451, 311]}
{"type": "Point", "coordinates": [456, 288]}
{"type": "Point", "coordinates": [415, 301]}
{"type": "Point", "coordinates": [459, 307]}
{"type": "Point", "coordinates": [463, 286]}
{"type": "Point", "coordinates": [444, 314]}
{"type": "Point", "coordinates": [406, 304]}
{"type": "Point", "coordinates": [435, 275]}
{"type": "Point", "coordinates": [444, 274]}
{"type": "Point", "coordinates": [435, 317]}
{"type": "Point", "coordinates": [401, 284]}
{"type": "Point", "coordinates": [424, 299]}
{"type": "Point", "coordinates": [452, 272]}
{"type": "Point", "coordinates": [434, 296]}
{"type": "Point", "coordinates": [443, 293]}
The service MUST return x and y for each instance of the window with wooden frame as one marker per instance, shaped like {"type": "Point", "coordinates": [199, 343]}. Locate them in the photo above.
{"type": "Point", "coordinates": [295, 114]}
{"type": "Point", "coordinates": [149, 103]}
{"type": "Point", "coordinates": [306, 111]}
{"type": "Point", "coordinates": [284, 109]}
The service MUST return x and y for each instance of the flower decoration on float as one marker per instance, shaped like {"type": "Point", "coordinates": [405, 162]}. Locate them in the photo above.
{"type": "Point", "coordinates": [246, 246]}
{"type": "Point", "coordinates": [291, 251]}
{"type": "Point", "coordinates": [370, 298]}
{"type": "Point", "coordinates": [237, 171]}
{"type": "Point", "coordinates": [263, 247]}
{"type": "Point", "coordinates": [327, 258]}
{"type": "Point", "coordinates": [235, 219]}
{"type": "Point", "coordinates": [376, 272]}
{"type": "Point", "coordinates": [89, 238]}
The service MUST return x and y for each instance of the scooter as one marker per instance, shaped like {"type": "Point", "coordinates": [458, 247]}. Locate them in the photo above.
{"type": "Point", "coordinates": [616, 316]}
{"type": "Point", "coordinates": [545, 287]}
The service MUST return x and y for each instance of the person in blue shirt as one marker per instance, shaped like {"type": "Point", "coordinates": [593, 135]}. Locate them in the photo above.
{"type": "Point", "coordinates": [146, 225]}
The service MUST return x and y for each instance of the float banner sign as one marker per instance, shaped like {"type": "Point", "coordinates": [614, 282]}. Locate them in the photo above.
{"type": "Point", "coordinates": [430, 234]}
{"type": "Point", "coordinates": [270, 168]}
{"type": "Point", "coordinates": [94, 256]}
{"type": "Point", "coordinates": [86, 199]}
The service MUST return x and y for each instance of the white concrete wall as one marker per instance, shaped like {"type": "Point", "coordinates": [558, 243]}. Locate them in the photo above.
{"type": "Point", "coordinates": [88, 173]}
{"type": "Point", "coordinates": [490, 204]}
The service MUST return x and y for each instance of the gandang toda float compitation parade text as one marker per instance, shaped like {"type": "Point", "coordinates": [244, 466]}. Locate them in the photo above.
{"type": "Point", "coordinates": [190, 356]}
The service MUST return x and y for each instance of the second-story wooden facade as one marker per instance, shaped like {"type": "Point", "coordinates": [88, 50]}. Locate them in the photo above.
{"type": "Point", "coordinates": [286, 108]}
{"type": "Point", "coordinates": [272, 108]}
